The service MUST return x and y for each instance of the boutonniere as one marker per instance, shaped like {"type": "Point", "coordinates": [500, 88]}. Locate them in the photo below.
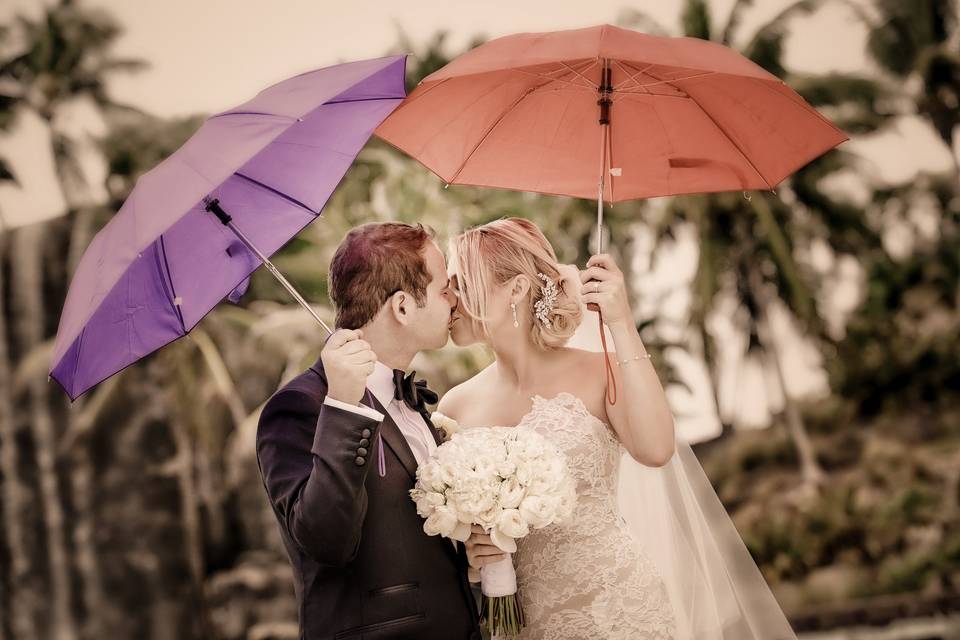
{"type": "Point", "coordinates": [448, 425]}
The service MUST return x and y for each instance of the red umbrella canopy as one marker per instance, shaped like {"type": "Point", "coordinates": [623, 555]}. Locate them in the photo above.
{"type": "Point", "coordinates": [657, 116]}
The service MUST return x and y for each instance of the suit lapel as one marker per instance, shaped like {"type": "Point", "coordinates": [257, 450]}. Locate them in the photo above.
{"type": "Point", "coordinates": [433, 429]}
{"type": "Point", "coordinates": [392, 435]}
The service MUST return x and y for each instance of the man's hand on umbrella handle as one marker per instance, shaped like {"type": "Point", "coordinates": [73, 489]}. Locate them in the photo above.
{"type": "Point", "coordinates": [603, 285]}
{"type": "Point", "coordinates": [348, 361]}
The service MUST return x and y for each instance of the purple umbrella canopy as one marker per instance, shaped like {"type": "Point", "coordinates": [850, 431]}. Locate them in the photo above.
{"type": "Point", "coordinates": [164, 260]}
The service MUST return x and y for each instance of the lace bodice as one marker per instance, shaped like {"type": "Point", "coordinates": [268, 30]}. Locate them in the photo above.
{"type": "Point", "coordinates": [588, 577]}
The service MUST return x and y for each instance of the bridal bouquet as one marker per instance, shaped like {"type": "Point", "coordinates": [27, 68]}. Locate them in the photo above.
{"type": "Point", "coordinates": [508, 481]}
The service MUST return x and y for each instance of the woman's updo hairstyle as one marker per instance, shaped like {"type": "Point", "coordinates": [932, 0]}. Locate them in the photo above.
{"type": "Point", "coordinates": [491, 255]}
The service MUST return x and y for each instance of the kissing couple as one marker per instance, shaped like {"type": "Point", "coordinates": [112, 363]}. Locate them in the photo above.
{"type": "Point", "coordinates": [339, 445]}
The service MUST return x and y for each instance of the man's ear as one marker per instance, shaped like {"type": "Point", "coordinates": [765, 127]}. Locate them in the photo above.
{"type": "Point", "coordinates": [400, 306]}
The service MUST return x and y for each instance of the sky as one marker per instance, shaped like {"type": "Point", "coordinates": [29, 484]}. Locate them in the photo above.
{"type": "Point", "coordinates": [209, 55]}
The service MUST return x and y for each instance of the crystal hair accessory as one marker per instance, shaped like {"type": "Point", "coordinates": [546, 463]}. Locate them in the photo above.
{"type": "Point", "coordinates": [544, 306]}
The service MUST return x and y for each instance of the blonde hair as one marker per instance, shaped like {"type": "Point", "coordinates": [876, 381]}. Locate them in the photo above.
{"type": "Point", "coordinates": [492, 254]}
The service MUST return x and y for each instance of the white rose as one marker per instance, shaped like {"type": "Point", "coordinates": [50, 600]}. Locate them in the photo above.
{"type": "Point", "coordinates": [442, 522]}
{"type": "Point", "coordinates": [538, 511]}
{"type": "Point", "coordinates": [511, 493]}
{"type": "Point", "coordinates": [426, 501]}
{"type": "Point", "coordinates": [512, 524]}
{"type": "Point", "coordinates": [502, 541]}
{"type": "Point", "coordinates": [448, 425]}
{"type": "Point", "coordinates": [428, 476]}
{"type": "Point", "coordinates": [489, 517]}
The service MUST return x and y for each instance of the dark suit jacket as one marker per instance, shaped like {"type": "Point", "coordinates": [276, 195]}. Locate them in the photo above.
{"type": "Point", "coordinates": [363, 568]}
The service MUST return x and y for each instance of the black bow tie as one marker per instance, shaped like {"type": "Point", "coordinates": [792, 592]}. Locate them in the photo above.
{"type": "Point", "coordinates": [414, 393]}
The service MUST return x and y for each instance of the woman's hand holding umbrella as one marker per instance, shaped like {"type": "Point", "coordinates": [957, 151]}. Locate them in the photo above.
{"type": "Point", "coordinates": [604, 286]}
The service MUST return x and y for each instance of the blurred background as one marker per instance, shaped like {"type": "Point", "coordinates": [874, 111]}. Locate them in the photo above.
{"type": "Point", "coordinates": [808, 338]}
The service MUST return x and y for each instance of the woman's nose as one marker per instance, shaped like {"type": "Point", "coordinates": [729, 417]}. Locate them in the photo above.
{"type": "Point", "coordinates": [453, 299]}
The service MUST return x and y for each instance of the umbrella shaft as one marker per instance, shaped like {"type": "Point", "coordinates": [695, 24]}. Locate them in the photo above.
{"type": "Point", "coordinates": [603, 154]}
{"type": "Point", "coordinates": [279, 276]}
{"type": "Point", "coordinates": [604, 101]}
{"type": "Point", "coordinates": [213, 206]}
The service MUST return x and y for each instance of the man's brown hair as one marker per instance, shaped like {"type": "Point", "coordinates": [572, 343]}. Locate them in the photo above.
{"type": "Point", "coordinates": [372, 263]}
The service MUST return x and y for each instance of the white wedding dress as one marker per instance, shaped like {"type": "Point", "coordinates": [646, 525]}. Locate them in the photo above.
{"type": "Point", "coordinates": [649, 554]}
{"type": "Point", "coordinates": [588, 578]}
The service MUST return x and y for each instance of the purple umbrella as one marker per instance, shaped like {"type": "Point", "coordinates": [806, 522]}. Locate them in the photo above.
{"type": "Point", "coordinates": [197, 225]}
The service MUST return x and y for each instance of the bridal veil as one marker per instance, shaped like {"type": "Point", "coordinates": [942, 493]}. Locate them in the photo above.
{"type": "Point", "coordinates": [715, 587]}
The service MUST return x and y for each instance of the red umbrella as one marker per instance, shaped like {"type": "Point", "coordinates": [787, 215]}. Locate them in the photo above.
{"type": "Point", "coordinates": [608, 113]}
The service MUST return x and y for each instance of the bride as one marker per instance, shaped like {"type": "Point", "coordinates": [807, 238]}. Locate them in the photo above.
{"type": "Point", "coordinates": [650, 553]}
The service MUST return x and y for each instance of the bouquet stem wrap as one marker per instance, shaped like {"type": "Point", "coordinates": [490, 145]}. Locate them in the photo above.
{"type": "Point", "coordinates": [500, 610]}
{"type": "Point", "coordinates": [499, 579]}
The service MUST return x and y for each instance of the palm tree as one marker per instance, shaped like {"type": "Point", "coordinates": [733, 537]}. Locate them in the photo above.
{"type": "Point", "coordinates": [920, 39]}
{"type": "Point", "coordinates": [899, 350]}
{"type": "Point", "coordinates": [66, 57]}
{"type": "Point", "coordinates": [21, 603]}
{"type": "Point", "coordinates": [747, 245]}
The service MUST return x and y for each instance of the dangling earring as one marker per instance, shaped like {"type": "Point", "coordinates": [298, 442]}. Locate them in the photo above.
{"type": "Point", "coordinates": [513, 305]}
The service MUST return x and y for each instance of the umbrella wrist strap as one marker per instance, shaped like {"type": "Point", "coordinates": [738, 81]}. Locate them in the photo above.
{"type": "Point", "coordinates": [611, 379]}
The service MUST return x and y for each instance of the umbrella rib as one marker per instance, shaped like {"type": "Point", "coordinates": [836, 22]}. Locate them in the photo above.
{"type": "Point", "coordinates": [631, 78]}
{"type": "Point", "coordinates": [661, 80]}
{"type": "Point", "coordinates": [575, 85]}
{"type": "Point", "coordinates": [716, 124]}
{"type": "Point", "coordinates": [490, 129]}
{"type": "Point", "coordinates": [732, 141]}
{"type": "Point", "coordinates": [173, 290]}
{"type": "Point", "coordinates": [276, 192]}
{"type": "Point", "coordinates": [251, 113]}
{"type": "Point", "coordinates": [585, 79]}
{"type": "Point", "coordinates": [362, 100]}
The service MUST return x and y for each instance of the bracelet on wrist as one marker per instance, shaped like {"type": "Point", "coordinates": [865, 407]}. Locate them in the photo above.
{"type": "Point", "coordinates": [643, 356]}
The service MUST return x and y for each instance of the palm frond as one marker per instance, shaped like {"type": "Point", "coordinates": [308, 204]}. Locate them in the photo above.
{"type": "Point", "coordinates": [695, 19]}
{"type": "Point", "coordinates": [855, 103]}
{"type": "Point", "coordinates": [733, 20]}
{"type": "Point", "coordinates": [766, 47]}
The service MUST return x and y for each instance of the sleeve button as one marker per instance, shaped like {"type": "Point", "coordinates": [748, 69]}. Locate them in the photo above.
{"type": "Point", "coordinates": [360, 461]}
{"type": "Point", "coordinates": [365, 433]}
{"type": "Point", "coordinates": [361, 451]}
{"type": "Point", "coordinates": [365, 443]}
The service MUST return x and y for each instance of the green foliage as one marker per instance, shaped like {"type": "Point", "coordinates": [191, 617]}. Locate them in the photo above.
{"type": "Point", "coordinates": [919, 37]}
{"type": "Point", "coordinates": [696, 19]}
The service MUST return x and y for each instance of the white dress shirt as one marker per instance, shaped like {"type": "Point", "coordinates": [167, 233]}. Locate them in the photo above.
{"type": "Point", "coordinates": [411, 424]}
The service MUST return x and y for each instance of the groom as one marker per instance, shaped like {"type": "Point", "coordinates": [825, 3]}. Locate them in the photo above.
{"type": "Point", "coordinates": [363, 567]}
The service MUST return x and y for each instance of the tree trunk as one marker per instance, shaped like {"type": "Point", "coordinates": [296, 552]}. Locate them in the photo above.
{"type": "Point", "coordinates": [810, 469]}
{"type": "Point", "coordinates": [78, 420]}
{"type": "Point", "coordinates": [83, 485]}
{"type": "Point", "coordinates": [88, 567]}
{"type": "Point", "coordinates": [20, 600]}
{"type": "Point", "coordinates": [713, 370]}
{"type": "Point", "coordinates": [80, 217]}
{"type": "Point", "coordinates": [28, 285]}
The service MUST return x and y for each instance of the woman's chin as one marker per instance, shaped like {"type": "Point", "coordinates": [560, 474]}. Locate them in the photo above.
{"type": "Point", "coordinates": [460, 337]}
